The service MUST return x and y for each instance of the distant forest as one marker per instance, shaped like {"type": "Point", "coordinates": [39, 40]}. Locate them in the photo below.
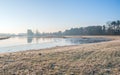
{"type": "Point", "coordinates": [111, 28]}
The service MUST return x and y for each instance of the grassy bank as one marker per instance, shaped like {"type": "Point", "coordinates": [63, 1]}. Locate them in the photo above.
{"type": "Point", "coordinates": [86, 59]}
{"type": "Point", "coordinates": [2, 38]}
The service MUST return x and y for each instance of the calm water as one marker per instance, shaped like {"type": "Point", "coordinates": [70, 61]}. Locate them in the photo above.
{"type": "Point", "coordinates": [22, 43]}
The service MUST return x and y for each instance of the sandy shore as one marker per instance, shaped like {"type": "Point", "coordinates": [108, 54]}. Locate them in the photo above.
{"type": "Point", "coordinates": [87, 59]}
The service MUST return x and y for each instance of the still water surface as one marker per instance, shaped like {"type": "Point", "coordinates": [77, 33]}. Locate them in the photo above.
{"type": "Point", "coordinates": [23, 43]}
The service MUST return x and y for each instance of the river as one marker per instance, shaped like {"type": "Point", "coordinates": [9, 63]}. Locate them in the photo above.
{"type": "Point", "coordinates": [14, 44]}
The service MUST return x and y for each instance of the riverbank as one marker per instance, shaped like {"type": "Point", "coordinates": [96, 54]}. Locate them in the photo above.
{"type": "Point", "coordinates": [2, 38]}
{"type": "Point", "coordinates": [87, 59]}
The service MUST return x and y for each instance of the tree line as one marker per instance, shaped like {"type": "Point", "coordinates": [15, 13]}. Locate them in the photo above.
{"type": "Point", "coordinates": [111, 28]}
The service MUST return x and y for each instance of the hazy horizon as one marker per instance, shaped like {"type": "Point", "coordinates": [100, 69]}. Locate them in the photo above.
{"type": "Point", "coordinates": [55, 15]}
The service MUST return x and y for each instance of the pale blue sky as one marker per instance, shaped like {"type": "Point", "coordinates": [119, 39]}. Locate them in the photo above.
{"type": "Point", "coordinates": [17, 16]}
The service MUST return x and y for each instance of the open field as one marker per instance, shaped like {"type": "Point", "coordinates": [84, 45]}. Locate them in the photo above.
{"type": "Point", "coordinates": [86, 59]}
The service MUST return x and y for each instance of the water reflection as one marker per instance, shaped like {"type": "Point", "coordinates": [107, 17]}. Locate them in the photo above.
{"type": "Point", "coordinates": [86, 40]}
{"type": "Point", "coordinates": [39, 40]}
{"type": "Point", "coordinates": [65, 40]}
{"type": "Point", "coordinates": [28, 43]}
{"type": "Point", "coordinates": [29, 39]}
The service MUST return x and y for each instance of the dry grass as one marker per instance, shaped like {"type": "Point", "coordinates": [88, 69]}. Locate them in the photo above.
{"type": "Point", "coordinates": [87, 59]}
